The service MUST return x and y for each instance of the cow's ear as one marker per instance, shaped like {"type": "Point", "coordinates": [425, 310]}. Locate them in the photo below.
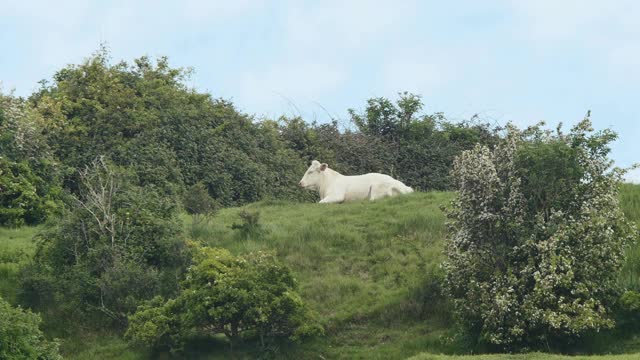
{"type": "Point", "coordinates": [323, 166]}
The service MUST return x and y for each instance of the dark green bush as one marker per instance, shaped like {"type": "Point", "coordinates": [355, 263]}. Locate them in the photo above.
{"type": "Point", "coordinates": [417, 148]}
{"type": "Point", "coordinates": [251, 296]}
{"type": "Point", "coordinates": [25, 198]}
{"type": "Point", "coordinates": [249, 224]}
{"type": "Point", "coordinates": [198, 203]}
{"type": "Point", "coordinates": [118, 244]}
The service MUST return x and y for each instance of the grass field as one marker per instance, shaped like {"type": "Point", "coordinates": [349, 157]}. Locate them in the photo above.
{"type": "Point", "coordinates": [366, 269]}
{"type": "Point", "coordinates": [630, 199]}
{"type": "Point", "coordinates": [16, 248]}
{"type": "Point", "coordinates": [532, 356]}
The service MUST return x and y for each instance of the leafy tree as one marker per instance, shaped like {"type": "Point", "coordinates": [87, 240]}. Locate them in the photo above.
{"type": "Point", "coordinates": [386, 119]}
{"type": "Point", "coordinates": [143, 117]}
{"type": "Point", "coordinates": [118, 244]}
{"type": "Point", "coordinates": [29, 177]}
{"type": "Point", "coordinates": [417, 148]}
{"type": "Point", "coordinates": [97, 109]}
{"type": "Point", "coordinates": [249, 224]}
{"type": "Point", "coordinates": [537, 238]}
{"type": "Point", "coordinates": [21, 337]}
{"type": "Point", "coordinates": [250, 295]}
{"type": "Point", "coordinates": [198, 202]}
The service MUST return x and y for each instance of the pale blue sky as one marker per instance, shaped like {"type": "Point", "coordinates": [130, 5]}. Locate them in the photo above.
{"type": "Point", "coordinates": [522, 61]}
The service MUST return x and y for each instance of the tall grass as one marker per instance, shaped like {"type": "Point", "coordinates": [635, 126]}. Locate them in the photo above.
{"type": "Point", "coordinates": [370, 270]}
{"type": "Point", "coordinates": [16, 248]}
{"type": "Point", "coordinates": [630, 202]}
{"type": "Point", "coordinates": [360, 266]}
{"type": "Point", "coordinates": [532, 356]}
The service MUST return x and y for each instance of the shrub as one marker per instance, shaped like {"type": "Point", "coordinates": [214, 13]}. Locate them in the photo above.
{"type": "Point", "coordinates": [20, 336]}
{"type": "Point", "coordinates": [19, 201]}
{"type": "Point", "coordinates": [249, 225]}
{"type": "Point", "coordinates": [537, 238]}
{"type": "Point", "coordinates": [251, 295]}
{"type": "Point", "coordinates": [199, 204]}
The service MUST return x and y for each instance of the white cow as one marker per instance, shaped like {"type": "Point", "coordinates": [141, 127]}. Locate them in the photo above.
{"type": "Point", "coordinates": [336, 188]}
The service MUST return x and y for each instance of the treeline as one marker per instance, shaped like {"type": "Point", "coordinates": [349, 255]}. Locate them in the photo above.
{"type": "Point", "coordinates": [111, 154]}
{"type": "Point", "coordinates": [143, 117]}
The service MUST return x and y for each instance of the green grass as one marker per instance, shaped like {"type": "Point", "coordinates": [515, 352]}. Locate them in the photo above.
{"type": "Point", "coordinates": [16, 248]}
{"type": "Point", "coordinates": [630, 200]}
{"type": "Point", "coordinates": [350, 260]}
{"type": "Point", "coordinates": [100, 346]}
{"type": "Point", "coordinates": [359, 266]}
{"type": "Point", "coordinates": [532, 356]}
{"type": "Point", "coordinates": [362, 267]}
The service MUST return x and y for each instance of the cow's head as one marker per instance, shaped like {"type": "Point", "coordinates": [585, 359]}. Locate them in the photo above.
{"type": "Point", "coordinates": [311, 179]}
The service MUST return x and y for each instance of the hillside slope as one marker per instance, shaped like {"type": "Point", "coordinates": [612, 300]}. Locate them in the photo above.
{"type": "Point", "coordinates": [367, 269]}
{"type": "Point", "coordinates": [361, 266]}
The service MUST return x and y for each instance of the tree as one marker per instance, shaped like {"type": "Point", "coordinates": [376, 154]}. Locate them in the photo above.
{"type": "Point", "coordinates": [30, 188]}
{"type": "Point", "coordinates": [388, 120]}
{"type": "Point", "coordinates": [21, 337]}
{"type": "Point", "coordinates": [418, 148]}
{"type": "Point", "coordinates": [537, 238]}
{"type": "Point", "coordinates": [199, 204]}
{"type": "Point", "coordinates": [116, 245]}
{"type": "Point", "coordinates": [249, 295]}
{"type": "Point", "coordinates": [142, 116]}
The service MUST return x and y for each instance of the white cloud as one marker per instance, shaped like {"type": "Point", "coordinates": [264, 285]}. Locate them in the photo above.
{"type": "Point", "coordinates": [607, 30]}
{"type": "Point", "coordinates": [288, 85]}
{"type": "Point", "coordinates": [633, 176]}
{"type": "Point", "coordinates": [344, 26]}
{"type": "Point", "coordinates": [66, 13]}
{"type": "Point", "coordinates": [590, 20]}
{"type": "Point", "coordinates": [415, 74]}
{"type": "Point", "coordinates": [208, 10]}
{"type": "Point", "coordinates": [320, 43]}
{"type": "Point", "coordinates": [623, 61]}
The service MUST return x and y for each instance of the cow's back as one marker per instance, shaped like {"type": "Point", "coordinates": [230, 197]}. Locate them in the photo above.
{"type": "Point", "coordinates": [359, 187]}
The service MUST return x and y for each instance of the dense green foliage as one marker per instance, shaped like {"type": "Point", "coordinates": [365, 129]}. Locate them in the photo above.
{"type": "Point", "coordinates": [419, 148]}
{"type": "Point", "coordinates": [199, 204]}
{"type": "Point", "coordinates": [538, 238]}
{"type": "Point", "coordinates": [117, 244]}
{"type": "Point", "coordinates": [222, 294]}
{"type": "Point", "coordinates": [391, 138]}
{"type": "Point", "coordinates": [143, 117]}
{"type": "Point", "coordinates": [21, 337]}
{"type": "Point", "coordinates": [29, 178]}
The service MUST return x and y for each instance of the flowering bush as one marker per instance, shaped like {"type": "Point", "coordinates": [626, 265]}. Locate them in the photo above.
{"type": "Point", "coordinates": [537, 238]}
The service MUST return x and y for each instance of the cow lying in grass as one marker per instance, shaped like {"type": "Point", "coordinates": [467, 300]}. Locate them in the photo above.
{"type": "Point", "coordinates": [336, 188]}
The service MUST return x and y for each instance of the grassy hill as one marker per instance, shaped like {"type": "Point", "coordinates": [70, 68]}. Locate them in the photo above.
{"type": "Point", "coordinates": [369, 270]}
